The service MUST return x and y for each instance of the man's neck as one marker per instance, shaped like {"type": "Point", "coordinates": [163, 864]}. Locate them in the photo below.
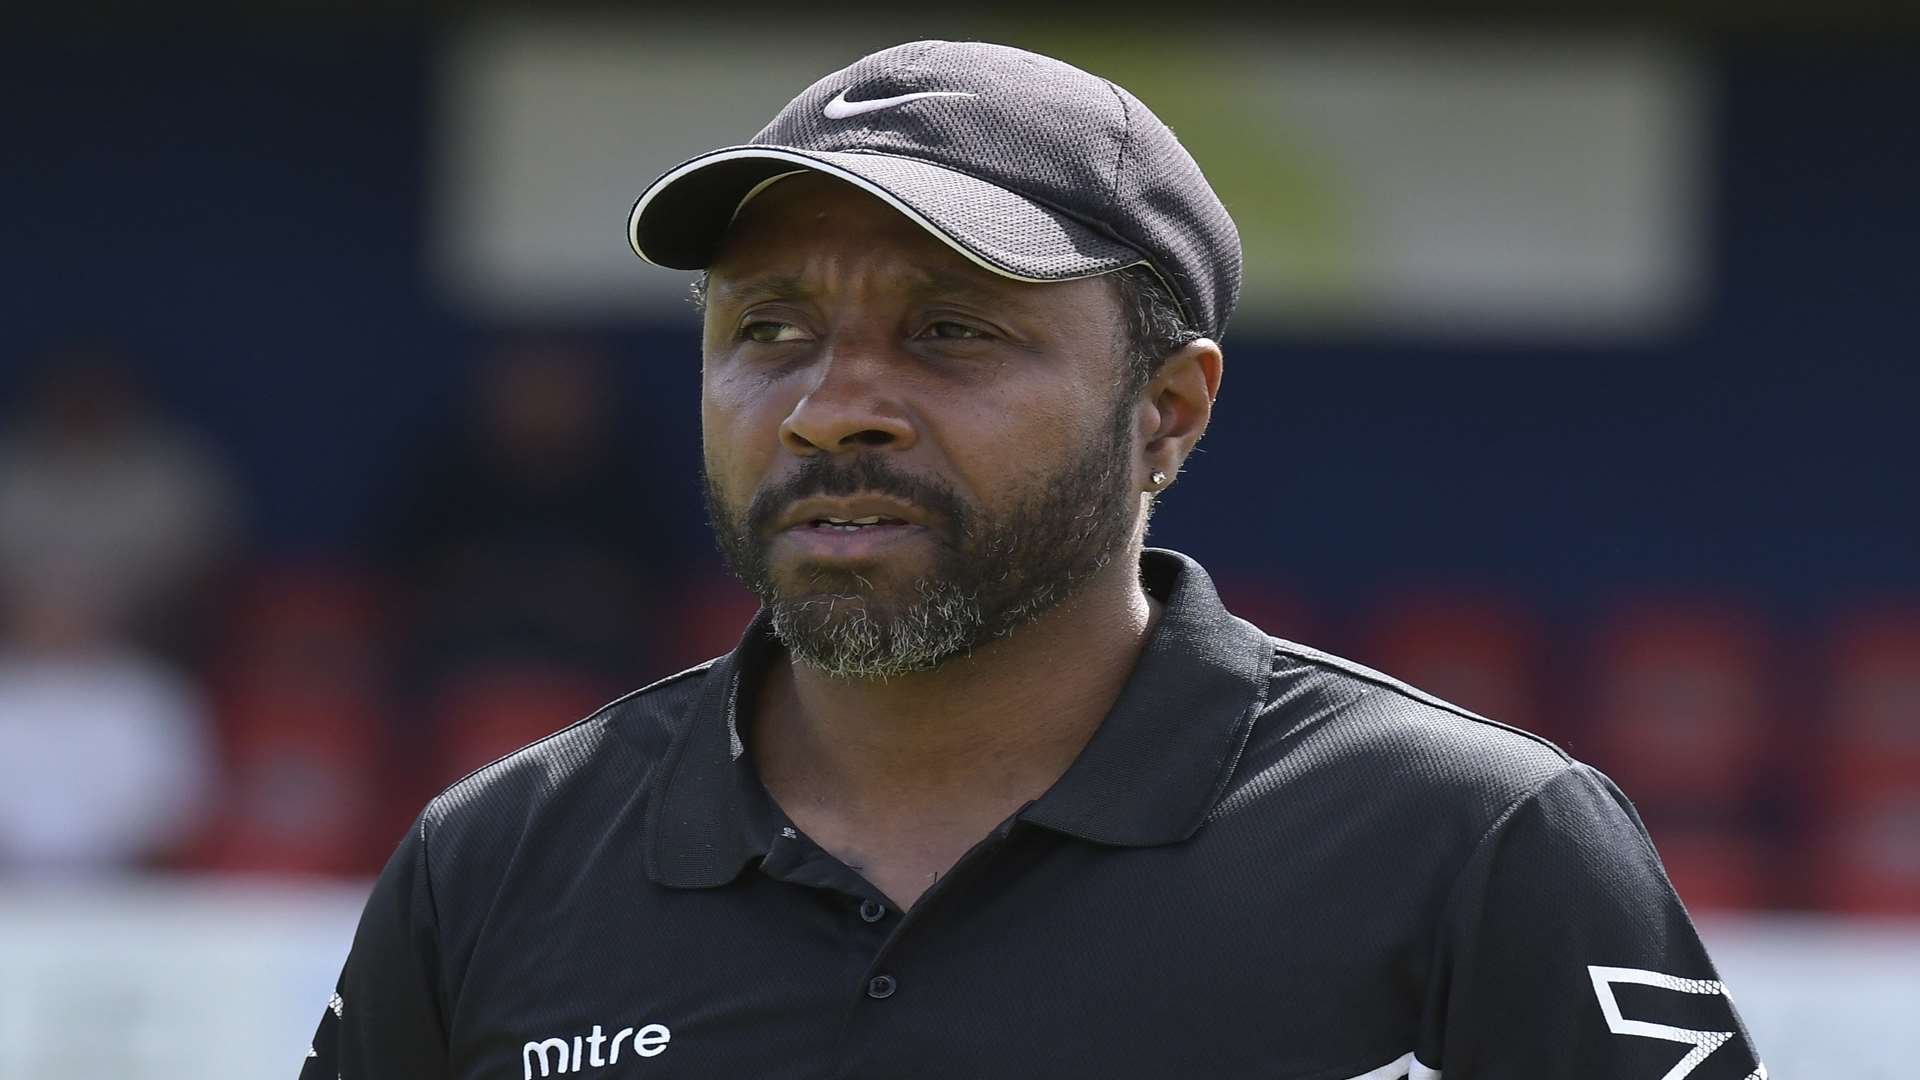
{"type": "Point", "coordinates": [914, 770]}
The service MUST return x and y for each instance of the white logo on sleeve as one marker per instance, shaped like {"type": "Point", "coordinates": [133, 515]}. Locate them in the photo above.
{"type": "Point", "coordinates": [1704, 1043]}
{"type": "Point", "coordinates": [558, 1057]}
{"type": "Point", "coordinates": [840, 108]}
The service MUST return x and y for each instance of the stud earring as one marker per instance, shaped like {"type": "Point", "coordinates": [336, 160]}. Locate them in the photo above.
{"type": "Point", "coordinates": [1158, 478]}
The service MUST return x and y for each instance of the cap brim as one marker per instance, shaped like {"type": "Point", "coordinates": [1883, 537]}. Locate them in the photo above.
{"type": "Point", "coordinates": [679, 221]}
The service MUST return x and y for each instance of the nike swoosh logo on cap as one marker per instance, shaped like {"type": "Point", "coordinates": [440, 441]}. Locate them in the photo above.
{"type": "Point", "coordinates": [840, 108]}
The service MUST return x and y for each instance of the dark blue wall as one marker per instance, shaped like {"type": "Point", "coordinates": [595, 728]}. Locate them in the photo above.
{"type": "Point", "coordinates": [245, 212]}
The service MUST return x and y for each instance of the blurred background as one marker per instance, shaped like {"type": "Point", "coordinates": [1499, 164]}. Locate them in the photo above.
{"type": "Point", "coordinates": [344, 445]}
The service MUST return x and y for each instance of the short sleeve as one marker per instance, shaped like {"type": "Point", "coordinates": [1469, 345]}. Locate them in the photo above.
{"type": "Point", "coordinates": [385, 1018]}
{"type": "Point", "coordinates": [1566, 955]}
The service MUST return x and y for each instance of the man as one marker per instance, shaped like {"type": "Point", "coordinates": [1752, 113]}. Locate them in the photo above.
{"type": "Point", "coordinates": [988, 790]}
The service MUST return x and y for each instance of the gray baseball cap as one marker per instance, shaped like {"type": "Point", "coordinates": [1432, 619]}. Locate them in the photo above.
{"type": "Point", "coordinates": [1027, 166]}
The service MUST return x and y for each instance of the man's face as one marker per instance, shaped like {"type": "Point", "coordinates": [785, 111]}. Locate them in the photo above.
{"type": "Point", "coordinates": [969, 430]}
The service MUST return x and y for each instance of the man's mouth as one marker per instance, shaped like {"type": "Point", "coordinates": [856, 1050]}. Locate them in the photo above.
{"type": "Point", "coordinates": [830, 538]}
{"type": "Point", "coordinates": [853, 524]}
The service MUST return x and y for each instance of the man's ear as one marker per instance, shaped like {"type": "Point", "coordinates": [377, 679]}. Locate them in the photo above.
{"type": "Point", "coordinates": [1175, 408]}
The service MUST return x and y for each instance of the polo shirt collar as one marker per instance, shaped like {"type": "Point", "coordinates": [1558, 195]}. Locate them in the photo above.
{"type": "Point", "coordinates": [1162, 758]}
{"type": "Point", "coordinates": [1152, 772]}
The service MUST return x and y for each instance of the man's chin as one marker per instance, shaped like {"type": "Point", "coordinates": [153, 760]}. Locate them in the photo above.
{"type": "Point", "coordinates": [824, 603]}
{"type": "Point", "coordinates": [877, 632]}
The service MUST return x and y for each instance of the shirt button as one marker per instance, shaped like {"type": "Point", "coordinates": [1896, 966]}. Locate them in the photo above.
{"type": "Point", "coordinates": [872, 911]}
{"type": "Point", "coordinates": [881, 986]}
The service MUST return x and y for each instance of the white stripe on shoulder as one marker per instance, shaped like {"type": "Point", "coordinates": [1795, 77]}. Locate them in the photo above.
{"type": "Point", "coordinates": [1404, 1067]}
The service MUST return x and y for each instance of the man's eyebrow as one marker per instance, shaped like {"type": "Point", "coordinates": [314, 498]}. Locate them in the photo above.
{"type": "Point", "coordinates": [759, 285]}
{"type": "Point", "coordinates": [965, 287]}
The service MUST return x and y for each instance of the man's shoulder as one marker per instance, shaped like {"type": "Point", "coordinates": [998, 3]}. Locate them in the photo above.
{"type": "Point", "coordinates": [613, 752]}
{"type": "Point", "coordinates": [1335, 730]}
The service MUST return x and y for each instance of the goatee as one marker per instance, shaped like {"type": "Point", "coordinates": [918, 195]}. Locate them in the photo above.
{"type": "Point", "coordinates": [990, 576]}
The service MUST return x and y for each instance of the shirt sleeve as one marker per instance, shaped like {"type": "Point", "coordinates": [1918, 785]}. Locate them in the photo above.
{"type": "Point", "coordinates": [1566, 955]}
{"type": "Point", "coordinates": [385, 1018]}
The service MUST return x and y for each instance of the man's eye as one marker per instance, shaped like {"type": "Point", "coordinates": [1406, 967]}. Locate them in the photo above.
{"type": "Point", "coordinates": [954, 330]}
{"type": "Point", "coordinates": [769, 331]}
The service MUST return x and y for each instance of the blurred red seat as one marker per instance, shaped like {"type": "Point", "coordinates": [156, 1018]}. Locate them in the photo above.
{"type": "Point", "coordinates": [1867, 841]}
{"type": "Point", "coordinates": [712, 612]}
{"type": "Point", "coordinates": [1682, 715]}
{"type": "Point", "coordinates": [1471, 648]}
{"type": "Point", "coordinates": [1269, 605]}
{"type": "Point", "coordinates": [299, 694]}
{"type": "Point", "coordinates": [482, 714]}
{"type": "Point", "coordinates": [1680, 709]}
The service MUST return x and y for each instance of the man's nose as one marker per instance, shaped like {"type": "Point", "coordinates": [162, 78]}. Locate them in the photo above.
{"type": "Point", "coordinates": [853, 404]}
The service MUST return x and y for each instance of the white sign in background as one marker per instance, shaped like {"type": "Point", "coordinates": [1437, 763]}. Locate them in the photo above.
{"type": "Point", "coordinates": [1456, 184]}
{"type": "Point", "coordinates": [167, 978]}
{"type": "Point", "coordinates": [156, 979]}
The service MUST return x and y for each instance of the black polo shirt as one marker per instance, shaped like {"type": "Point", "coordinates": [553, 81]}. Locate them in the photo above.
{"type": "Point", "coordinates": [1267, 862]}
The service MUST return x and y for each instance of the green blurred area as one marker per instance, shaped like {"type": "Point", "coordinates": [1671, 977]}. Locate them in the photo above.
{"type": "Point", "coordinates": [1282, 188]}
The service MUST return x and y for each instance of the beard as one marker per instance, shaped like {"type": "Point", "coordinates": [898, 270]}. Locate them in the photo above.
{"type": "Point", "coordinates": [990, 576]}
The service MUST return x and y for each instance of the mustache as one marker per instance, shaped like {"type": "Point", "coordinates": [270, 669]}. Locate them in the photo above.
{"type": "Point", "coordinates": [864, 474]}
